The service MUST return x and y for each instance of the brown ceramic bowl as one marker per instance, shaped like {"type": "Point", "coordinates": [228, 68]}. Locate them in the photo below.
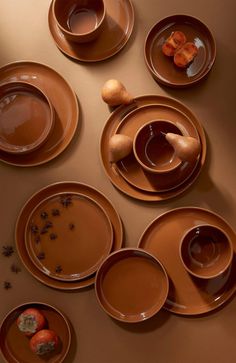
{"type": "Point", "coordinates": [79, 20]}
{"type": "Point", "coordinates": [15, 345]}
{"type": "Point", "coordinates": [131, 285]}
{"type": "Point", "coordinates": [26, 117]}
{"type": "Point", "coordinates": [151, 149]}
{"type": "Point", "coordinates": [206, 251]}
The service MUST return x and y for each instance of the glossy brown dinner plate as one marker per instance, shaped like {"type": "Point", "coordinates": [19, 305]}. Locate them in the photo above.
{"type": "Point", "coordinates": [34, 200]}
{"type": "Point", "coordinates": [188, 295]}
{"type": "Point", "coordinates": [163, 68]}
{"type": "Point", "coordinates": [15, 345]}
{"type": "Point", "coordinates": [117, 28]}
{"type": "Point", "coordinates": [129, 167]}
{"type": "Point", "coordinates": [110, 128]}
{"type": "Point", "coordinates": [64, 103]}
{"type": "Point", "coordinates": [67, 236]}
{"type": "Point", "coordinates": [131, 285]}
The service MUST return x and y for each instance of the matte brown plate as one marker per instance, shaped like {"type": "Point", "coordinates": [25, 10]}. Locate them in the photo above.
{"type": "Point", "coordinates": [63, 100]}
{"type": "Point", "coordinates": [34, 200]}
{"type": "Point", "coordinates": [110, 128]}
{"type": "Point", "coordinates": [188, 295]}
{"type": "Point", "coordinates": [131, 285]}
{"type": "Point", "coordinates": [132, 171]}
{"type": "Point", "coordinates": [163, 68]}
{"type": "Point", "coordinates": [117, 28]}
{"type": "Point", "coordinates": [67, 236]}
{"type": "Point", "coordinates": [15, 345]}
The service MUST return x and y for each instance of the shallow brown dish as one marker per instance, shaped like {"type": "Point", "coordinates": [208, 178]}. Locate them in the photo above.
{"type": "Point", "coordinates": [110, 128]}
{"type": "Point", "coordinates": [188, 295]}
{"type": "Point", "coordinates": [15, 345]}
{"type": "Point", "coordinates": [117, 28]}
{"type": "Point", "coordinates": [131, 285]}
{"type": "Point", "coordinates": [63, 100]}
{"type": "Point", "coordinates": [34, 200]}
{"type": "Point", "coordinates": [163, 68]}
{"type": "Point", "coordinates": [129, 167]}
{"type": "Point", "coordinates": [73, 219]}
{"type": "Point", "coordinates": [26, 117]}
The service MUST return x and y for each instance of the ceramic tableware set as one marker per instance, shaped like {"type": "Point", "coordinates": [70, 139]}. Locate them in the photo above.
{"type": "Point", "coordinates": [184, 261]}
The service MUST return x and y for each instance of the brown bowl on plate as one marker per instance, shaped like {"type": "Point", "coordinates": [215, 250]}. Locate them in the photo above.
{"type": "Point", "coordinates": [79, 20]}
{"type": "Point", "coordinates": [206, 251]}
{"type": "Point", "coordinates": [15, 346]}
{"type": "Point", "coordinates": [151, 149]}
{"type": "Point", "coordinates": [131, 285]}
{"type": "Point", "coordinates": [26, 117]}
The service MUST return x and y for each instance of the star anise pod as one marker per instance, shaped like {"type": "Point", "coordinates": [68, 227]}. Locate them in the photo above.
{"type": "Point", "coordinates": [7, 285]}
{"type": "Point", "coordinates": [41, 256]}
{"type": "Point", "coordinates": [58, 269]}
{"type": "Point", "coordinates": [55, 212]}
{"type": "Point", "coordinates": [44, 215]}
{"type": "Point", "coordinates": [7, 251]}
{"type": "Point", "coordinates": [66, 200]}
{"type": "Point", "coordinates": [34, 229]}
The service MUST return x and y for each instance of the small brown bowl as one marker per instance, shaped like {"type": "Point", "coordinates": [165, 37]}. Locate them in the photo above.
{"type": "Point", "coordinates": [151, 149]}
{"type": "Point", "coordinates": [79, 20]}
{"type": "Point", "coordinates": [206, 251]}
{"type": "Point", "coordinates": [14, 345]}
{"type": "Point", "coordinates": [26, 117]}
{"type": "Point", "coordinates": [131, 285]}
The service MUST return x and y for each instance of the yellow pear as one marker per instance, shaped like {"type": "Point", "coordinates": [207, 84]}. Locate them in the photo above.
{"type": "Point", "coordinates": [120, 146]}
{"type": "Point", "coordinates": [114, 93]}
{"type": "Point", "coordinates": [187, 148]}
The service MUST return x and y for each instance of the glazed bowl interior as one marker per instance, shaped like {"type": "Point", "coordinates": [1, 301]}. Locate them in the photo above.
{"type": "Point", "coordinates": [151, 149]}
{"type": "Point", "coordinates": [206, 251]}
{"type": "Point", "coordinates": [26, 117]}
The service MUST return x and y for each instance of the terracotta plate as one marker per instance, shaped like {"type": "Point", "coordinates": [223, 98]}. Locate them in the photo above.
{"type": "Point", "coordinates": [67, 236]}
{"type": "Point", "coordinates": [131, 285]}
{"type": "Point", "coordinates": [63, 187]}
{"type": "Point", "coordinates": [118, 27]}
{"type": "Point", "coordinates": [110, 128]}
{"type": "Point", "coordinates": [15, 345]}
{"type": "Point", "coordinates": [63, 100]}
{"type": "Point", "coordinates": [163, 68]}
{"type": "Point", "coordinates": [188, 295]}
{"type": "Point", "coordinates": [131, 170]}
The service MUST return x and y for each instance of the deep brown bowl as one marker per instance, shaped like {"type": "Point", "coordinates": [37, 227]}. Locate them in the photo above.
{"type": "Point", "coordinates": [131, 285]}
{"type": "Point", "coordinates": [206, 251]}
{"type": "Point", "coordinates": [151, 149]}
{"type": "Point", "coordinates": [79, 20]}
{"type": "Point", "coordinates": [26, 117]}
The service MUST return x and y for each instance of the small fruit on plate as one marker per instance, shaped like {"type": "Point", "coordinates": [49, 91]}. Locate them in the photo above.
{"type": "Point", "coordinates": [185, 55]}
{"type": "Point", "coordinates": [44, 341]}
{"type": "Point", "coordinates": [30, 321]}
{"type": "Point", "coordinates": [175, 41]}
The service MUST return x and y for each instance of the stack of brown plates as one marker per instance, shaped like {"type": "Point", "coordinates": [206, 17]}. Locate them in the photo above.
{"type": "Point", "coordinates": [64, 232]}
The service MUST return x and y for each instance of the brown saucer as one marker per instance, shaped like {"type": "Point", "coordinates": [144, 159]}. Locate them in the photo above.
{"type": "Point", "coordinates": [117, 28]}
{"type": "Point", "coordinates": [63, 100]}
{"type": "Point", "coordinates": [188, 295]}
{"type": "Point", "coordinates": [163, 68]}
{"type": "Point", "coordinates": [73, 219]}
{"type": "Point", "coordinates": [110, 129]}
{"type": "Point", "coordinates": [129, 167]}
{"type": "Point", "coordinates": [34, 200]}
{"type": "Point", "coordinates": [131, 285]}
{"type": "Point", "coordinates": [15, 345]}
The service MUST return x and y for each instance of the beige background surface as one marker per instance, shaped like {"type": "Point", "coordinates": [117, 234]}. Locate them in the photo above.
{"type": "Point", "coordinates": [166, 338]}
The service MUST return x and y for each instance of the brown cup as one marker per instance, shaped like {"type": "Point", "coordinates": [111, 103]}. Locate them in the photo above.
{"type": "Point", "coordinates": [79, 20]}
{"type": "Point", "coordinates": [151, 149]}
{"type": "Point", "coordinates": [206, 251]}
{"type": "Point", "coordinates": [26, 117]}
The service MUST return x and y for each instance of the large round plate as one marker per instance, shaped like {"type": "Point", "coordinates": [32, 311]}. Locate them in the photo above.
{"type": "Point", "coordinates": [63, 187]}
{"type": "Point", "coordinates": [131, 285]}
{"type": "Point", "coordinates": [15, 345]}
{"type": "Point", "coordinates": [67, 236]}
{"type": "Point", "coordinates": [163, 68]}
{"type": "Point", "coordinates": [188, 295]}
{"type": "Point", "coordinates": [118, 27]}
{"type": "Point", "coordinates": [63, 100]}
{"type": "Point", "coordinates": [110, 129]}
{"type": "Point", "coordinates": [131, 170]}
